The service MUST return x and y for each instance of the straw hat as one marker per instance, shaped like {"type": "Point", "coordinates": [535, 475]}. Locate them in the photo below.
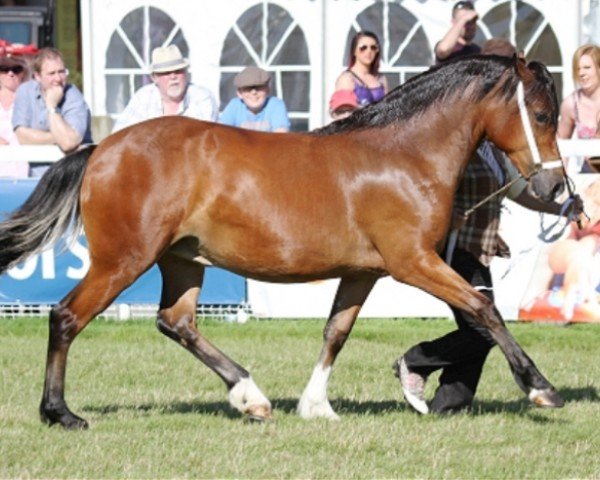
{"type": "Point", "coordinates": [167, 59]}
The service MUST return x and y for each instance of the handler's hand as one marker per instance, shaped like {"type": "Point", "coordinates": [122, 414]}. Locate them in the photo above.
{"type": "Point", "coordinates": [576, 211]}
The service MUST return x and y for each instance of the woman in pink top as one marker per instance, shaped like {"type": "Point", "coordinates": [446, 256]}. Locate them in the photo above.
{"type": "Point", "coordinates": [12, 73]}
{"type": "Point", "coordinates": [580, 111]}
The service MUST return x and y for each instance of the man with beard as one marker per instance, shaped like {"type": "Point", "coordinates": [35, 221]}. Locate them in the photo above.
{"type": "Point", "coordinates": [457, 41]}
{"type": "Point", "coordinates": [171, 92]}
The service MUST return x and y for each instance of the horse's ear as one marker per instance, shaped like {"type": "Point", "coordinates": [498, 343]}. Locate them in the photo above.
{"type": "Point", "coordinates": [521, 68]}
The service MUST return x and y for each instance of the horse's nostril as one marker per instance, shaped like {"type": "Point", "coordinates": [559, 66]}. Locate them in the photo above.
{"type": "Point", "coordinates": [558, 189]}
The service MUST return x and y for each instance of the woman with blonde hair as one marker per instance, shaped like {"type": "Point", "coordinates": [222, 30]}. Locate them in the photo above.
{"type": "Point", "coordinates": [580, 111]}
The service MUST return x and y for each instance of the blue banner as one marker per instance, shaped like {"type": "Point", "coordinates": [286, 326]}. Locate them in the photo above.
{"type": "Point", "coordinates": [46, 278]}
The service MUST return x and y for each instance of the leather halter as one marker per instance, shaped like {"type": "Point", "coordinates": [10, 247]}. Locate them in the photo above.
{"type": "Point", "coordinates": [535, 153]}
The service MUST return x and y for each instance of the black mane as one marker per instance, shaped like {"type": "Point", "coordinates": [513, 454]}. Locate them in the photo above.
{"type": "Point", "coordinates": [480, 73]}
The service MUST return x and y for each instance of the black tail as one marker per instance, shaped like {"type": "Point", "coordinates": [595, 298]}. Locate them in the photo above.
{"type": "Point", "coordinates": [51, 209]}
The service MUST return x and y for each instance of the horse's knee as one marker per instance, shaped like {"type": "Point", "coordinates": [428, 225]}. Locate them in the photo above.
{"type": "Point", "coordinates": [487, 314]}
{"type": "Point", "coordinates": [181, 329]}
{"type": "Point", "coordinates": [335, 337]}
{"type": "Point", "coordinates": [63, 326]}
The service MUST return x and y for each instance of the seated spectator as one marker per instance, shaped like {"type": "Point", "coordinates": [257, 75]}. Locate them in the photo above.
{"type": "Point", "coordinates": [580, 111]}
{"type": "Point", "coordinates": [255, 108]}
{"type": "Point", "coordinates": [342, 104]}
{"type": "Point", "coordinates": [12, 72]}
{"type": "Point", "coordinates": [47, 109]}
{"type": "Point", "coordinates": [362, 75]}
{"type": "Point", "coordinates": [170, 93]}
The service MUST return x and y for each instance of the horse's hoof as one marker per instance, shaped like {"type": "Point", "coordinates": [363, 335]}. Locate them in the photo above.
{"type": "Point", "coordinates": [311, 409]}
{"type": "Point", "coordinates": [547, 398]}
{"type": "Point", "coordinates": [259, 414]}
{"type": "Point", "coordinates": [66, 419]}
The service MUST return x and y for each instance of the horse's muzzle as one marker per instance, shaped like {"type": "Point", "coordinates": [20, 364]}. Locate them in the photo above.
{"type": "Point", "coordinates": [548, 184]}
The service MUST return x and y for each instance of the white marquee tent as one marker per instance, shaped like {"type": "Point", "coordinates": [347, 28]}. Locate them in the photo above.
{"type": "Point", "coordinates": [304, 42]}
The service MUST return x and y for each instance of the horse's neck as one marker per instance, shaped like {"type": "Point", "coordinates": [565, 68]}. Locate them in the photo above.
{"type": "Point", "coordinates": [450, 135]}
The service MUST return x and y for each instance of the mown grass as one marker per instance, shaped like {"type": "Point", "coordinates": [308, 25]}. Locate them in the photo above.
{"type": "Point", "coordinates": [156, 412]}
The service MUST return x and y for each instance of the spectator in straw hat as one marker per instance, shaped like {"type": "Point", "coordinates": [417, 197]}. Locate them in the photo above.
{"type": "Point", "coordinates": [170, 93]}
{"type": "Point", "coordinates": [342, 104]}
{"type": "Point", "coordinates": [255, 108]}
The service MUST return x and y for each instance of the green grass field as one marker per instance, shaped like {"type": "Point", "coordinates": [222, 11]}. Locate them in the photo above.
{"type": "Point", "coordinates": [156, 412]}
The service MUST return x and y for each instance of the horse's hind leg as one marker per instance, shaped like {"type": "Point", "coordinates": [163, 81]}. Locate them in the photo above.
{"type": "Point", "coordinates": [431, 274]}
{"type": "Point", "coordinates": [93, 294]}
{"type": "Point", "coordinates": [350, 296]}
{"type": "Point", "coordinates": [182, 280]}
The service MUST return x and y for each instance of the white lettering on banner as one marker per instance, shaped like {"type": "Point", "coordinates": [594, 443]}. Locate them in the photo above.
{"type": "Point", "coordinates": [81, 252]}
{"type": "Point", "coordinates": [48, 264]}
{"type": "Point", "coordinates": [48, 267]}
{"type": "Point", "coordinates": [24, 271]}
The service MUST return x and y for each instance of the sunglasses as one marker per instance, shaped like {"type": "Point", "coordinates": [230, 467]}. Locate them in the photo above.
{"type": "Point", "coordinates": [374, 48]}
{"type": "Point", "coordinates": [15, 69]}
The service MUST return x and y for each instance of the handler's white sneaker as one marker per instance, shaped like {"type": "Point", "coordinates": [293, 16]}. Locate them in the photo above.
{"type": "Point", "coordinates": [413, 386]}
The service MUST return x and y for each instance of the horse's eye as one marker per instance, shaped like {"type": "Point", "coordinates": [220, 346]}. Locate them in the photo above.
{"type": "Point", "coordinates": [542, 117]}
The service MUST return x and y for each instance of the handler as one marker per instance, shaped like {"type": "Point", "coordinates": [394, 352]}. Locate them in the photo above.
{"type": "Point", "coordinates": [461, 354]}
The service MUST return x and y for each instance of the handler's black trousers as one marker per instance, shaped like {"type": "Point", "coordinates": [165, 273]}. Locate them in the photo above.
{"type": "Point", "coordinates": [461, 353]}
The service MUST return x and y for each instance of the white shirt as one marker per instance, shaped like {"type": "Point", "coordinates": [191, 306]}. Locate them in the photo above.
{"type": "Point", "coordinates": [199, 103]}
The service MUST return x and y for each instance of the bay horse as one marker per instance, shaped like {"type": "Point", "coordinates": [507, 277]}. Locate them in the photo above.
{"type": "Point", "coordinates": [364, 197]}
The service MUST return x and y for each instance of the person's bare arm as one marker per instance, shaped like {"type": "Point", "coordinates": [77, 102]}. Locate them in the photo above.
{"type": "Point", "coordinates": [446, 45]}
{"type": "Point", "coordinates": [32, 136]}
{"type": "Point", "coordinates": [65, 136]}
{"type": "Point", "coordinates": [60, 134]}
{"type": "Point", "coordinates": [344, 82]}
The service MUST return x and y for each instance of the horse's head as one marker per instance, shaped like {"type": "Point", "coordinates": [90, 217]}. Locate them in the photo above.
{"type": "Point", "coordinates": [525, 128]}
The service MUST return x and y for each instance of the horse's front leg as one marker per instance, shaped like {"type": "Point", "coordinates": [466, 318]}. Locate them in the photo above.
{"type": "Point", "coordinates": [350, 296]}
{"type": "Point", "coordinates": [431, 274]}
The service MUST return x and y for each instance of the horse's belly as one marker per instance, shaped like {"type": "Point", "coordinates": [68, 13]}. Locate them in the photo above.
{"type": "Point", "coordinates": [282, 259]}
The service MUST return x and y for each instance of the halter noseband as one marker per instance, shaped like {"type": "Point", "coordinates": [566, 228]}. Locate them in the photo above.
{"type": "Point", "coordinates": [535, 153]}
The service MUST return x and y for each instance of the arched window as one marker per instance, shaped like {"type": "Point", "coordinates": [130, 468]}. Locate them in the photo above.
{"type": "Point", "coordinates": [129, 51]}
{"type": "Point", "coordinates": [267, 36]}
{"type": "Point", "coordinates": [526, 28]}
{"type": "Point", "coordinates": [405, 49]}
